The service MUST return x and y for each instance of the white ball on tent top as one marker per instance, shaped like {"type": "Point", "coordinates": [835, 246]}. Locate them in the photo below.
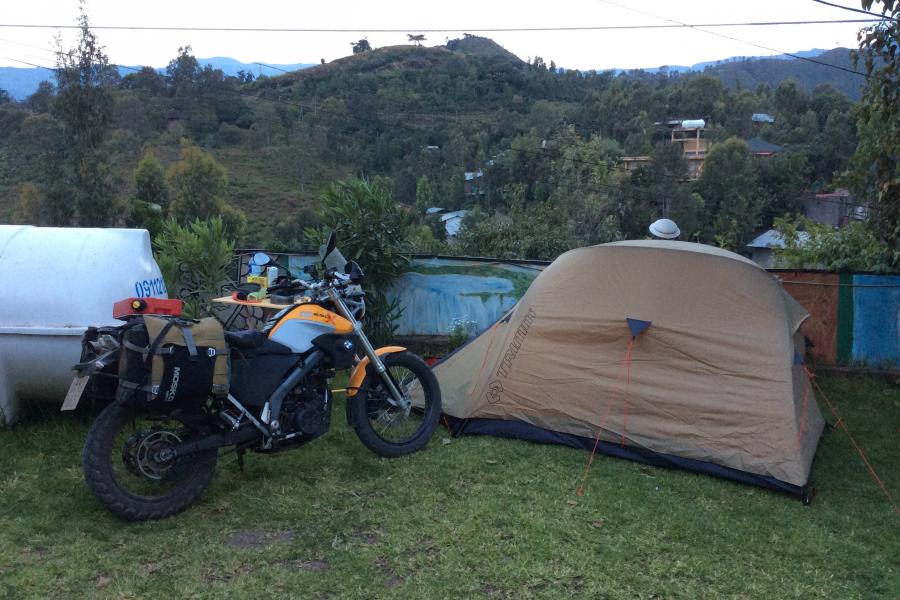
{"type": "Point", "coordinates": [665, 229]}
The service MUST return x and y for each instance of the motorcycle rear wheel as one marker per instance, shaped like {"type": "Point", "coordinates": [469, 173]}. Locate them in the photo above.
{"type": "Point", "coordinates": [389, 430]}
{"type": "Point", "coordinates": [120, 472]}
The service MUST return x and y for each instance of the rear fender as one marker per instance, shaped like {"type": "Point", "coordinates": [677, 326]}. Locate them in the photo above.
{"type": "Point", "coordinates": [359, 373]}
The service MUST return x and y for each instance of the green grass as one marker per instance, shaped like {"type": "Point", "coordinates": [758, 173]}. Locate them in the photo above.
{"type": "Point", "coordinates": [467, 517]}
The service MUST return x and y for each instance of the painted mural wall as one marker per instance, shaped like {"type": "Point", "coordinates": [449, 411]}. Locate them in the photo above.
{"type": "Point", "coordinates": [440, 294]}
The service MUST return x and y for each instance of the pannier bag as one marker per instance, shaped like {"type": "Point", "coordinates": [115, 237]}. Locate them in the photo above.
{"type": "Point", "coordinates": [172, 362]}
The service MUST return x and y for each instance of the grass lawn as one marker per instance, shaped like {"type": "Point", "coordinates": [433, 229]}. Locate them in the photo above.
{"type": "Point", "coordinates": [467, 517]}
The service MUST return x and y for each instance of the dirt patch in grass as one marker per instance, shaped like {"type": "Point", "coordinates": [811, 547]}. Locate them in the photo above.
{"type": "Point", "coordinates": [259, 538]}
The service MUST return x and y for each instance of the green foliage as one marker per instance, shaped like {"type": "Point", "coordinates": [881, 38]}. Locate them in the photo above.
{"type": "Point", "coordinates": [728, 187]}
{"type": "Point", "coordinates": [80, 190]}
{"type": "Point", "coordinates": [150, 181]}
{"type": "Point", "coordinates": [810, 245]}
{"type": "Point", "coordinates": [461, 331]}
{"type": "Point", "coordinates": [373, 231]}
{"type": "Point", "coordinates": [418, 115]}
{"type": "Point", "coordinates": [361, 46]}
{"type": "Point", "coordinates": [195, 260]}
{"type": "Point", "coordinates": [539, 232]}
{"type": "Point", "coordinates": [876, 174]}
{"type": "Point", "coordinates": [422, 240]}
{"type": "Point", "coordinates": [198, 185]}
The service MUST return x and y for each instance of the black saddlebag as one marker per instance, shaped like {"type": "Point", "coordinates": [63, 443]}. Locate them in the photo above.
{"type": "Point", "coordinates": [169, 362]}
{"type": "Point", "coordinates": [258, 368]}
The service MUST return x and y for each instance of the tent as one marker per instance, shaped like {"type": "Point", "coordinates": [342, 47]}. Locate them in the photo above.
{"type": "Point", "coordinates": [672, 353]}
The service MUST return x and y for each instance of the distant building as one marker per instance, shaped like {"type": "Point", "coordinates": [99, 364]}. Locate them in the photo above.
{"type": "Point", "coordinates": [452, 222]}
{"type": "Point", "coordinates": [760, 248]}
{"type": "Point", "coordinates": [633, 163]}
{"type": "Point", "coordinates": [689, 135]}
{"type": "Point", "coordinates": [472, 185]}
{"type": "Point", "coordinates": [432, 148]}
{"type": "Point", "coordinates": [832, 208]}
{"type": "Point", "coordinates": [760, 147]}
{"type": "Point", "coordinates": [762, 118]}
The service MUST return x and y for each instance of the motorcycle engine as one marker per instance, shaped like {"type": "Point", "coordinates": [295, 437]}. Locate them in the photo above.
{"type": "Point", "coordinates": [311, 416]}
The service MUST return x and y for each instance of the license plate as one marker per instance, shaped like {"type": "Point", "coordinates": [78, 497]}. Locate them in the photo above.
{"type": "Point", "coordinates": [74, 394]}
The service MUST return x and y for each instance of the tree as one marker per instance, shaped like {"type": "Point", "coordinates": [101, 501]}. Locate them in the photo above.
{"type": "Point", "coordinates": [416, 39]}
{"type": "Point", "coordinates": [182, 72]}
{"type": "Point", "coordinates": [877, 170]}
{"type": "Point", "coordinates": [84, 105]}
{"type": "Point", "coordinates": [4, 96]}
{"type": "Point", "coordinates": [198, 185]}
{"type": "Point", "coordinates": [810, 245]}
{"type": "Point", "coordinates": [150, 181]}
{"type": "Point", "coordinates": [361, 46]}
{"type": "Point", "coordinates": [424, 194]}
{"type": "Point", "coordinates": [42, 99]}
{"type": "Point", "coordinates": [195, 261]}
{"type": "Point", "coordinates": [729, 189]}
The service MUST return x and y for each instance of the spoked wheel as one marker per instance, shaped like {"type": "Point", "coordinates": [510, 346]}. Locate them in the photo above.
{"type": "Point", "coordinates": [384, 426]}
{"type": "Point", "coordinates": [120, 469]}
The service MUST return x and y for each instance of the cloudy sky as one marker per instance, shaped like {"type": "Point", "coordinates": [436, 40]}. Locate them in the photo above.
{"type": "Point", "coordinates": [571, 49]}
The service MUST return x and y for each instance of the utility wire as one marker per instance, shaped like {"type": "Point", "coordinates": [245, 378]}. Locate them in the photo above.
{"type": "Point", "coordinates": [734, 39]}
{"type": "Point", "coordinates": [880, 17]}
{"type": "Point", "coordinates": [673, 25]}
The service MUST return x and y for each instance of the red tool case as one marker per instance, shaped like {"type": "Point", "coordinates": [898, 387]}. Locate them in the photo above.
{"type": "Point", "coordinates": [146, 306]}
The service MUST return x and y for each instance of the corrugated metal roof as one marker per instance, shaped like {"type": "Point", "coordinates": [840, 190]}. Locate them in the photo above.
{"type": "Point", "coordinates": [773, 239]}
{"type": "Point", "coordinates": [761, 146]}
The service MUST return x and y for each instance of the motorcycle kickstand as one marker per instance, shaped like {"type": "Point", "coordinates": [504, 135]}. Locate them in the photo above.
{"type": "Point", "coordinates": [240, 458]}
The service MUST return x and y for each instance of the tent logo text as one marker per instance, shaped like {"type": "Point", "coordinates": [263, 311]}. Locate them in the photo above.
{"type": "Point", "coordinates": [518, 339]}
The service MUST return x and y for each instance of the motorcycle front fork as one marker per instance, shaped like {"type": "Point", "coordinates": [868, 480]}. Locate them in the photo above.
{"type": "Point", "coordinates": [395, 396]}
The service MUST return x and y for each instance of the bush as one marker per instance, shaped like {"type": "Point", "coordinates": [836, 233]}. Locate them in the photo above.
{"type": "Point", "coordinates": [195, 261]}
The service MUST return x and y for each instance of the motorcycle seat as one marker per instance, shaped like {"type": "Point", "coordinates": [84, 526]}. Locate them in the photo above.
{"type": "Point", "coordinates": [247, 338]}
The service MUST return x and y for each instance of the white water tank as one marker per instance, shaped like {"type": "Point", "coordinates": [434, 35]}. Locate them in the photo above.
{"type": "Point", "coordinates": [54, 283]}
{"type": "Point", "coordinates": [693, 124]}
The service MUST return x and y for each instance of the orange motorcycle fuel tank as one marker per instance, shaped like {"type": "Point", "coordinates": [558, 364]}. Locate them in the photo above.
{"type": "Point", "coordinates": [301, 324]}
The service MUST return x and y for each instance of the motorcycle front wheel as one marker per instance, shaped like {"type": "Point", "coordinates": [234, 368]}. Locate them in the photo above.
{"type": "Point", "coordinates": [390, 430]}
{"type": "Point", "coordinates": [121, 473]}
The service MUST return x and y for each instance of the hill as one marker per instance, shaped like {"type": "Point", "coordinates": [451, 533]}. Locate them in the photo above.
{"type": "Point", "coordinates": [427, 120]}
{"type": "Point", "coordinates": [751, 72]}
{"type": "Point", "coordinates": [22, 82]}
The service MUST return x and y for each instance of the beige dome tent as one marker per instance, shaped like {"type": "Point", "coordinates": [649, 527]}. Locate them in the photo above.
{"type": "Point", "coordinates": [679, 354]}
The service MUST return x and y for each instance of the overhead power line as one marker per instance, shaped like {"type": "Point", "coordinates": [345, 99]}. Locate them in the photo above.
{"type": "Point", "coordinates": [673, 25]}
{"type": "Point", "coordinates": [734, 39]}
{"type": "Point", "coordinates": [851, 9]}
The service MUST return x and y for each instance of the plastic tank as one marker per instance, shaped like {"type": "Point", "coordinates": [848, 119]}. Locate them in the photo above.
{"type": "Point", "coordinates": [693, 124]}
{"type": "Point", "coordinates": [54, 283]}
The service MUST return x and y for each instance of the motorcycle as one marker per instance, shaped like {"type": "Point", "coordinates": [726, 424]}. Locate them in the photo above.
{"type": "Point", "coordinates": [151, 460]}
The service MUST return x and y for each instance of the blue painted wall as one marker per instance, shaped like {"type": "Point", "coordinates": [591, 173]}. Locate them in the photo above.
{"type": "Point", "coordinates": [876, 320]}
{"type": "Point", "coordinates": [437, 293]}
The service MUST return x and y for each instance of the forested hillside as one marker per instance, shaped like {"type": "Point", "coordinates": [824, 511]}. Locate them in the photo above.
{"type": "Point", "coordinates": [416, 119]}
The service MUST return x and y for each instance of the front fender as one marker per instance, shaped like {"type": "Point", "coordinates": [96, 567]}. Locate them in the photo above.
{"type": "Point", "coordinates": [359, 373]}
